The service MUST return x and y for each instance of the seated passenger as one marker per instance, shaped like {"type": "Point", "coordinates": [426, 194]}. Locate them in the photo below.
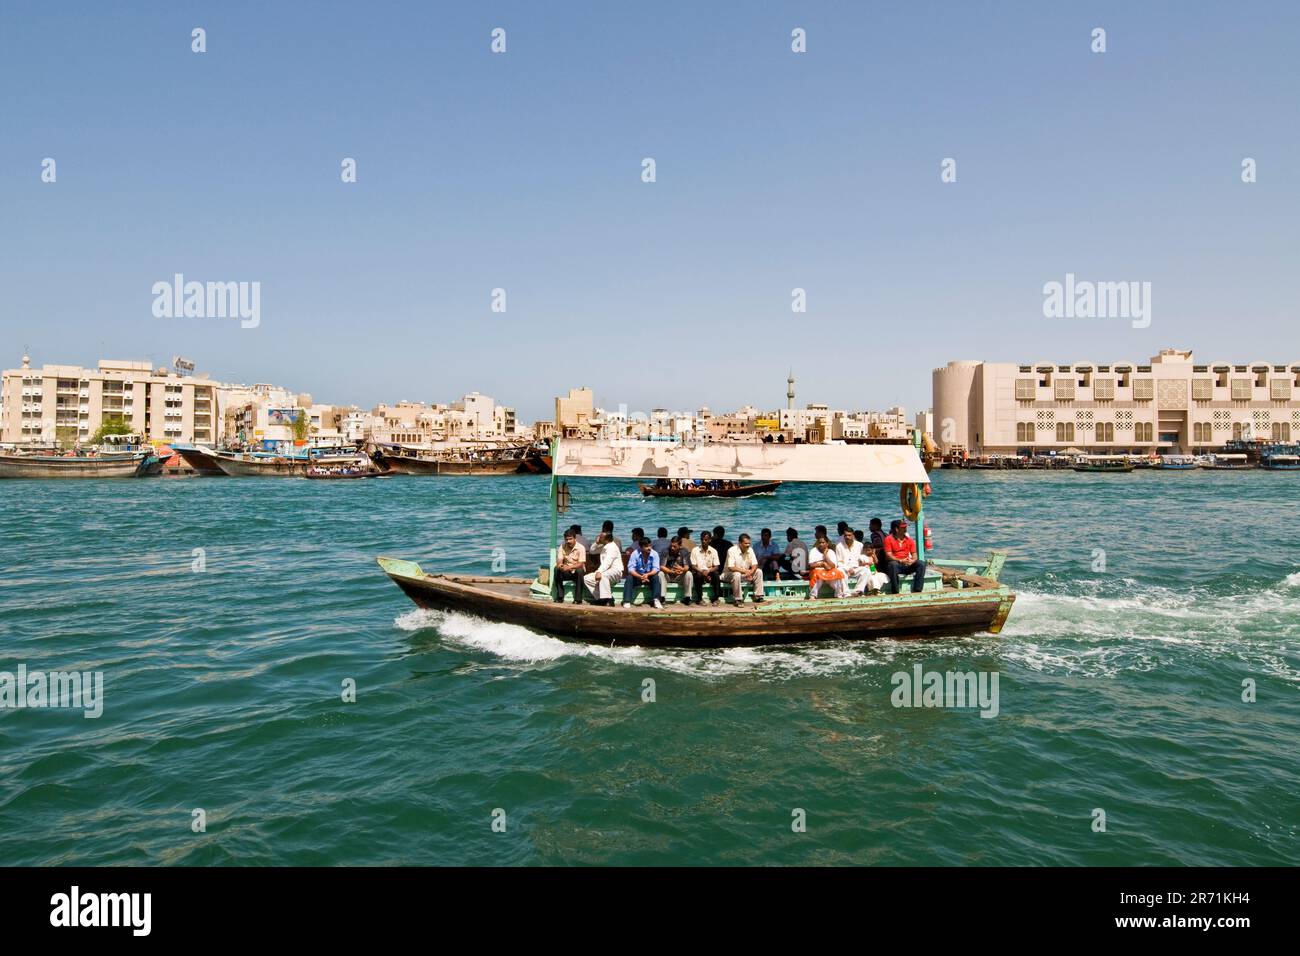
{"type": "Point", "coordinates": [900, 558]}
{"type": "Point", "coordinates": [676, 568]}
{"type": "Point", "coordinates": [769, 555]}
{"type": "Point", "coordinates": [824, 569]}
{"type": "Point", "coordinates": [643, 568]}
{"type": "Point", "coordinates": [855, 561]}
{"type": "Point", "coordinates": [571, 566]}
{"type": "Point", "coordinates": [742, 568]}
{"type": "Point", "coordinates": [721, 544]}
{"type": "Point", "coordinates": [609, 570]}
{"type": "Point", "coordinates": [704, 568]}
{"type": "Point", "coordinates": [637, 535]}
{"type": "Point", "coordinates": [794, 564]}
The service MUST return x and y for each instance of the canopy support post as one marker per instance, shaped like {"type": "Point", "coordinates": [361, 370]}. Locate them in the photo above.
{"type": "Point", "coordinates": [555, 517]}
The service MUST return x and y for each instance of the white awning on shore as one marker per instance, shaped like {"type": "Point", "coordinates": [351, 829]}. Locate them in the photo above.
{"type": "Point", "coordinates": [628, 458]}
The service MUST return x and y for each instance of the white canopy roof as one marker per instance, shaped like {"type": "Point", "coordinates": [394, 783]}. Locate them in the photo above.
{"type": "Point", "coordinates": [628, 458]}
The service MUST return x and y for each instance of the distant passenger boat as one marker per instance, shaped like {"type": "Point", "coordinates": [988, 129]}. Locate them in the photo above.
{"type": "Point", "coordinates": [703, 491]}
{"type": "Point", "coordinates": [1226, 463]}
{"type": "Point", "coordinates": [130, 465]}
{"type": "Point", "coordinates": [1280, 462]}
{"type": "Point", "coordinates": [1104, 464]}
{"type": "Point", "coordinates": [1176, 462]}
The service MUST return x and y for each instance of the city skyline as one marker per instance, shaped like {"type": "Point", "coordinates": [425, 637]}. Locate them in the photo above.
{"type": "Point", "coordinates": [776, 171]}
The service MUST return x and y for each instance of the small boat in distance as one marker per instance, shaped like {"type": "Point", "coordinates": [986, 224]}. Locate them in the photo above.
{"type": "Point", "coordinates": [1177, 462]}
{"type": "Point", "coordinates": [1234, 462]}
{"type": "Point", "coordinates": [1280, 462]}
{"type": "Point", "coordinates": [1104, 464]}
{"type": "Point", "coordinates": [668, 488]}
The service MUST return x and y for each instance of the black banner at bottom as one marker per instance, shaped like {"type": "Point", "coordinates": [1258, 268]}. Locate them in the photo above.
{"type": "Point", "coordinates": [333, 906]}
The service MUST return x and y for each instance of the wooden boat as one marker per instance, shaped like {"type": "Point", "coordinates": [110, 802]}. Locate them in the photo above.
{"type": "Point", "coordinates": [961, 599]}
{"type": "Point", "coordinates": [739, 491]}
{"type": "Point", "coordinates": [1176, 463]}
{"type": "Point", "coordinates": [1103, 464]}
{"type": "Point", "coordinates": [964, 604]}
{"type": "Point", "coordinates": [200, 460]}
{"type": "Point", "coordinates": [497, 461]}
{"type": "Point", "coordinates": [129, 465]}
{"type": "Point", "coordinates": [1280, 462]}
{"type": "Point", "coordinates": [1226, 463]}
{"type": "Point", "coordinates": [253, 466]}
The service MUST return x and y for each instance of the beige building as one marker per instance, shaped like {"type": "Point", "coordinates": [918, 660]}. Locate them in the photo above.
{"type": "Point", "coordinates": [1171, 403]}
{"type": "Point", "coordinates": [575, 415]}
{"type": "Point", "coordinates": [68, 403]}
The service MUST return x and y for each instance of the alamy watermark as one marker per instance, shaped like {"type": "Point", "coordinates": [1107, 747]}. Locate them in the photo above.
{"type": "Point", "coordinates": [955, 689]}
{"type": "Point", "coordinates": [208, 300]}
{"type": "Point", "coordinates": [44, 689]}
{"type": "Point", "coordinates": [1083, 299]}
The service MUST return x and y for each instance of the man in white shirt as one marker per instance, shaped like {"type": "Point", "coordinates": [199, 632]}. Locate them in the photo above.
{"type": "Point", "coordinates": [855, 562]}
{"type": "Point", "coordinates": [704, 567]}
{"type": "Point", "coordinates": [609, 572]}
{"type": "Point", "coordinates": [742, 569]}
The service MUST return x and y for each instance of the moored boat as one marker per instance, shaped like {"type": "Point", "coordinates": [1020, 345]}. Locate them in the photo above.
{"type": "Point", "coordinates": [201, 461]}
{"type": "Point", "coordinates": [1176, 463]}
{"type": "Point", "coordinates": [1104, 464]}
{"type": "Point", "coordinates": [721, 490]}
{"type": "Point", "coordinates": [253, 466]}
{"type": "Point", "coordinates": [1280, 462]}
{"type": "Point", "coordinates": [488, 461]}
{"type": "Point", "coordinates": [129, 465]}
{"type": "Point", "coordinates": [1229, 462]}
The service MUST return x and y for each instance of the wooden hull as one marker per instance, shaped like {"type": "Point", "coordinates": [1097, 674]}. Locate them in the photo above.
{"type": "Point", "coordinates": [411, 465]}
{"type": "Point", "coordinates": [981, 605]}
{"type": "Point", "coordinates": [37, 466]}
{"type": "Point", "coordinates": [1104, 471]}
{"type": "Point", "coordinates": [261, 467]}
{"type": "Point", "coordinates": [744, 491]}
{"type": "Point", "coordinates": [200, 461]}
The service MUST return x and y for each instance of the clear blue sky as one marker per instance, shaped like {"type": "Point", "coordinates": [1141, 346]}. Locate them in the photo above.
{"type": "Point", "coordinates": [522, 171]}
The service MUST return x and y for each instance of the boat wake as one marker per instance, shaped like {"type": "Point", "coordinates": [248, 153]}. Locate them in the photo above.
{"type": "Point", "coordinates": [1080, 630]}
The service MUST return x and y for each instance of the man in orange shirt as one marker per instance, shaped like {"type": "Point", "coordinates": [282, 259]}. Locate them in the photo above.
{"type": "Point", "coordinates": [900, 558]}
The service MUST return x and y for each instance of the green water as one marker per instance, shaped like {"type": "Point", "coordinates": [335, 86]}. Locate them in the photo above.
{"type": "Point", "coordinates": [1119, 690]}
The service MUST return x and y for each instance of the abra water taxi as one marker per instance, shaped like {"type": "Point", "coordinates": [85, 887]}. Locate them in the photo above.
{"type": "Point", "coordinates": [1105, 464]}
{"type": "Point", "coordinates": [666, 488]}
{"type": "Point", "coordinates": [963, 598]}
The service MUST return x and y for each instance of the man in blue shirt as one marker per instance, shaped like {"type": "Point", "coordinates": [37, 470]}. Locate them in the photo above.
{"type": "Point", "coordinates": [768, 553]}
{"type": "Point", "coordinates": [643, 568]}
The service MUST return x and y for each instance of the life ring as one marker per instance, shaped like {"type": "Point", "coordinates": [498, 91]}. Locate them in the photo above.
{"type": "Point", "coordinates": [909, 499]}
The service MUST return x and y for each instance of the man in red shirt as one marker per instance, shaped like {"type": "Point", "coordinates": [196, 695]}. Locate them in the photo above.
{"type": "Point", "coordinates": [900, 558]}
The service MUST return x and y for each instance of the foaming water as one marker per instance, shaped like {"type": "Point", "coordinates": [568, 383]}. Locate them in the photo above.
{"type": "Point", "coordinates": [225, 687]}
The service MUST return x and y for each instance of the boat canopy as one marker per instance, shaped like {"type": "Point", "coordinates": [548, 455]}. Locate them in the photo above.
{"type": "Point", "coordinates": [771, 461]}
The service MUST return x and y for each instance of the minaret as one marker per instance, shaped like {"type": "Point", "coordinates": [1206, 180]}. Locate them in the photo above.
{"type": "Point", "coordinates": [789, 391]}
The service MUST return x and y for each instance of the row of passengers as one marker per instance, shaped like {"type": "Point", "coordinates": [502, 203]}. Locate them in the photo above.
{"type": "Point", "coordinates": [644, 567]}
{"type": "Point", "coordinates": [892, 554]}
{"type": "Point", "coordinates": [847, 568]}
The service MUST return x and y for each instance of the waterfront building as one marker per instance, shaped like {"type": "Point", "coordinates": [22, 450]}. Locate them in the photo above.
{"type": "Point", "coordinates": [575, 415]}
{"type": "Point", "coordinates": [1171, 403]}
{"type": "Point", "coordinates": [68, 403]}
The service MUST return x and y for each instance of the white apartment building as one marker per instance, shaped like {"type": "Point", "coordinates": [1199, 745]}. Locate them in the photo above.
{"type": "Point", "coordinates": [1171, 403]}
{"type": "Point", "coordinates": [68, 403]}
